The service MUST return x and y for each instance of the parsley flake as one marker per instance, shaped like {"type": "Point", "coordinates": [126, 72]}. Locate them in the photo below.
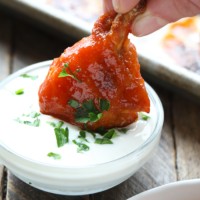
{"type": "Point", "coordinates": [19, 91]}
{"type": "Point", "coordinates": [81, 146]}
{"type": "Point", "coordinates": [87, 111]}
{"type": "Point", "coordinates": [70, 73]}
{"type": "Point", "coordinates": [35, 122]}
{"type": "Point", "coordinates": [62, 136]}
{"type": "Point", "coordinates": [103, 141]}
{"type": "Point", "coordinates": [28, 76]}
{"type": "Point", "coordinates": [144, 116]}
{"type": "Point", "coordinates": [54, 155]}
{"type": "Point", "coordinates": [59, 124]}
{"type": "Point", "coordinates": [106, 139]}
{"type": "Point", "coordinates": [104, 104]}
{"type": "Point", "coordinates": [30, 119]}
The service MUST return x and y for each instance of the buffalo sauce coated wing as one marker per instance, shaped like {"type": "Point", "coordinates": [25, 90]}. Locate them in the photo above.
{"type": "Point", "coordinates": [96, 83]}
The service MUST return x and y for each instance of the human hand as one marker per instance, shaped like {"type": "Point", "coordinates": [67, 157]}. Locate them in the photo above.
{"type": "Point", "coordinates": [158, 12]}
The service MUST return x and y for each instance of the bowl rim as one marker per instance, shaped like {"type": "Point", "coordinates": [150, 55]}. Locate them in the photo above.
{"type": "Point", "coordinates": [155, 133]}
{"type": "Point", "coordinates": [183, 185]}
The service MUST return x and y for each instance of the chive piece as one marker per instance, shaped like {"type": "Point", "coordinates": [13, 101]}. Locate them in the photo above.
{"type": "Point", "coordinates": [19, 91]}
{"type": "Point", "coordinates": [54, 155]}
{"type": "Point", "coordinates": [89, 106]}
{"type": "Point", "coordinates": [123, 130]}
{"type": "Point", "coordinates": [110, 134]}
{"type": "Point", "coordinates": [71, 74]}
{"type": "Point", "coordinates": [87, 111]}
{"type": "Point", "coordinates": [82, 136]}
{"type": "Point", "coordinates": [93, 117]}
{"type": "Point", "coordinates": [59, 124]}
{"type": "Point", "coordinates": [104, 104]}
{"type": "Point", "coordinates": [144, 116]}
{"type": "Point", "coordinates": [81, 146]}
{"type": "Point", "coordinates": [62, 136]}
{"type": "Point", "coordinates": [73, 103]}
{"type": "Point", "coordinates": [32, 114]}
{"type": "Point", "coordinates": [103, 141]}
{"type": "Point", "coordinates": [35, 123]}
{"type": "Point", "coordinates": [28, 76]}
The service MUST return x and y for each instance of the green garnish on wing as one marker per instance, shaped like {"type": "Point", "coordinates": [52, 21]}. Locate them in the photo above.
{"type": "Point", "coordinates": [87, 111]}
{"type": "Point", "coordinates": [67, 72]}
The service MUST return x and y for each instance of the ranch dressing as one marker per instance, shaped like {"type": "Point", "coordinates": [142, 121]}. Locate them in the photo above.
{"type": "Point", "coordinates": [34, 143]}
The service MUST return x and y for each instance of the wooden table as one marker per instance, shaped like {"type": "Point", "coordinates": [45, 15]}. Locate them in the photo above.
{"type": "Point", "coordinates": [178, 155]}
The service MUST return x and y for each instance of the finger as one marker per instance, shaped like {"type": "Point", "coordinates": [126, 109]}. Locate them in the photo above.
{"type": "Point", "coordinates": [160, 13]}
{"type": "Point", "coordinates": [147, 23]}
{"type": "Point", "coordinates": [107, 5]}
{"type": "Point", "coordinates": [123, 6]}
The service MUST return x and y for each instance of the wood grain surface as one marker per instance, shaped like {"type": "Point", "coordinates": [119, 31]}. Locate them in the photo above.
{"type": "Point", "coordinates": [177, 157]}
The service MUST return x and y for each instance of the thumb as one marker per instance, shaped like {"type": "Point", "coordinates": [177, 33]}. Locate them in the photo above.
{"type": "Point", "coordinates": [123, 6]}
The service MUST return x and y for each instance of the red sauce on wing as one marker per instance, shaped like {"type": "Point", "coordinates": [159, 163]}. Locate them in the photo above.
{"type": "Point", "coordinates": [102, 72]}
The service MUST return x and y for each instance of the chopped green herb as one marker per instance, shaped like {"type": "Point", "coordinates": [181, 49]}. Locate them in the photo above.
{"type": "Point", "coordinates": [54, 155]}
{"type": "Point", "coordinates": [71, 74]}
{"type": "Point", "coordinates": [82, 133]}
{"type": "Point", "coordinates": [103, 141]}
{"type": "Point", "coordinates": [82, 136]}
{"type": "Point", "coordinates": [104, 104]}
{"type": "Point", "coordinates": [29, 76]}
{"type": "Point", "coordinates": [87, 111]}
{"type": "Point", "coordinates": [73, 103]}
{"type": "Point", "coordinates": [106, 139]}
{"type": "Point", "coordinates": [93, 117]}
{"type": "Point", "coordinates": [110, 134]}
{"type": "Point", "coordinates": [123, 130]}
{"type": "Point", "coordinates": [28, 120]}
{"type": "Point", "coordinates": [81, 146]}
{"type": "Point", "coordinates": [35, 123]}
{"type": "Point", "coordinates": [19, 91]}
{"type": "Point", "coordinates": [32, 114]}
{"type": "Point", "coordinates": [62, 136]}
{"type": "Point", "coordinates": [144, 116]}
{"type": "Point", "coordinates": [59, 124]}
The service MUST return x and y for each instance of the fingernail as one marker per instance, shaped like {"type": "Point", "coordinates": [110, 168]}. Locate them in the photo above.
{"type": "Point", "coordinates": [116, 5]}
{"type": "Point", "coordinates": [146, 24]}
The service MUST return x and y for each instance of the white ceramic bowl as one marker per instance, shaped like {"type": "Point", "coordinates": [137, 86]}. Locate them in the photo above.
{"type": "Point", "coordinates": [181, 190]}
{"type": "Point", "coordinates": [56, 176]}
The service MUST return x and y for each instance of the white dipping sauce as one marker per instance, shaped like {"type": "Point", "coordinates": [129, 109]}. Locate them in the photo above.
{"type": "Point", "coordinates": [34, 143]}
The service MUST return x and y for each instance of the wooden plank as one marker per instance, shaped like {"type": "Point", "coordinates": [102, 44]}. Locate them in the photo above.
{"type": "Point", "coordinates": [159, 170]}
{"type": "Point", "coordinates": [187, 133]}
{"type": "Point", "coordinates": [5, 59]}
{"type": "Point", "coordinates": [22, 191]}
{"type": "Point", "coordinates": [33, 45]}
{"type": "Point", "coordinates": [5, 46]}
